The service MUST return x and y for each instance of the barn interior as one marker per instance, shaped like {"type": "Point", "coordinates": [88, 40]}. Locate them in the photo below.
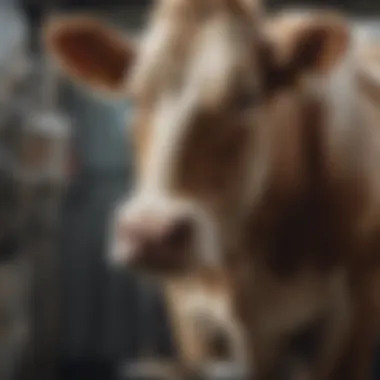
{"type": "Point", "coordinates": [64, 315]}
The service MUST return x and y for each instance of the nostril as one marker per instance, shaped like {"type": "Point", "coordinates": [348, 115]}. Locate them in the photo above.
{"type": "Point", "coordinates": [128, 236]}
{"type": "Point", "coordinates": [122, 231]}
{"type": "Point", "coordinates": [128, 231]}
{"type": "Point", "coordinates": [179, 234]}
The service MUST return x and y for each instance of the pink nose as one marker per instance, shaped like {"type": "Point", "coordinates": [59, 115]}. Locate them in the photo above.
{"type": "Point", "coordinates": [157, 245]}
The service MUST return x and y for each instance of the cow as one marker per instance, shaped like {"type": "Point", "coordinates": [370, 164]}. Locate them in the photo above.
{"type": "Point", "coordinates": [256, 149]}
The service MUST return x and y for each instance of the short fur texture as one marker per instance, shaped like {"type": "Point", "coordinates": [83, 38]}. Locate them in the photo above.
{"type": "Point", "coordinates": [266, 131]}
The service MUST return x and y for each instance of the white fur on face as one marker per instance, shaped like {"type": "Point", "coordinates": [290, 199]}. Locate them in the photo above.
{"type": "Point", "coordinates": [207, 74]}
{"type": "Point", "coordinates": [215, 54]}
{"type": "Point", "coordinates": [151, 61]}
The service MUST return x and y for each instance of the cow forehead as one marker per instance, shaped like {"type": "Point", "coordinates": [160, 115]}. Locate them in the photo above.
{"type": "Point", "coordinates": [183, 66]}
{"type": "Point", "coordinates": [174, 54]}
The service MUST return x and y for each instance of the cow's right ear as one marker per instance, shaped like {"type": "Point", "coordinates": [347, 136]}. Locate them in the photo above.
{"type": "Point", "coordinates": [90, 51]}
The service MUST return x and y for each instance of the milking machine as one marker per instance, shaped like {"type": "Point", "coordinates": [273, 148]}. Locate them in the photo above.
{"type": "Point", "coordinates": [33, 145]}
{"type": "Point", "coordinates": [43, 160]}
{"type": "Point", "coordinates": [14, 263]}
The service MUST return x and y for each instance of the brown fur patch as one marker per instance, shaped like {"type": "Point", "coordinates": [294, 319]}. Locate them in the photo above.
{"type": "Point", "coordinates": [89, 50]}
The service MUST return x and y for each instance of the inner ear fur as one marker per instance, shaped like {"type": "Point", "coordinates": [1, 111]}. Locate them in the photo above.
{"type": "Point", "coordinates": [89, 51]}
{"type": "Point", "coordinates": [320, 44]}
{"type": "Point", "coordinates": [315, 42]}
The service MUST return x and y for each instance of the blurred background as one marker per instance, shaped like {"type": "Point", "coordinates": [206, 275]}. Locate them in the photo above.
{"type": "Point", "coordinates": [63, 313]}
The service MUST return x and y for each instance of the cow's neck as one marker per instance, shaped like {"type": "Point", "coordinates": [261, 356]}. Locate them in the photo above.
{"type": "Point", "coordinates": [319, 184]}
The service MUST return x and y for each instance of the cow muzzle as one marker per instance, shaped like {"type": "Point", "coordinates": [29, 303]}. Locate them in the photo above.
{"type": "Point", "coordinates": [155, 238]}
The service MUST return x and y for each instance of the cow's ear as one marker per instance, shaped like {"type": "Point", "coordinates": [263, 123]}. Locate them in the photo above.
{"type": "Point", "coordinates": [314, 43]}
{"type": "Point", "coordinates": [89, 51]}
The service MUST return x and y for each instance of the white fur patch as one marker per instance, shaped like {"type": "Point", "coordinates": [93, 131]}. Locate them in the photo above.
{"type": "Point", "coordinates": [205, 76]}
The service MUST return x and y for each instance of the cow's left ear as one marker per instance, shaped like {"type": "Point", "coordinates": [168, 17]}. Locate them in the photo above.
{"type": "Point", "coordinates": [95, 54]}
{"type": "Point", "coordinates": [319, 44]}
{"type": "Point", "coordinates": [313, 43]}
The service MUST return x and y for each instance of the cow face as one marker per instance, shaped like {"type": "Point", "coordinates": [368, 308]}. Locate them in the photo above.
{"type": "Point", "coordinates": [204, 81]}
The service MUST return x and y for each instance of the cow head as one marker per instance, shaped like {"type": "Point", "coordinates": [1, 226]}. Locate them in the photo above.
{"type": "Point", "coordinates": [204, 80]}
